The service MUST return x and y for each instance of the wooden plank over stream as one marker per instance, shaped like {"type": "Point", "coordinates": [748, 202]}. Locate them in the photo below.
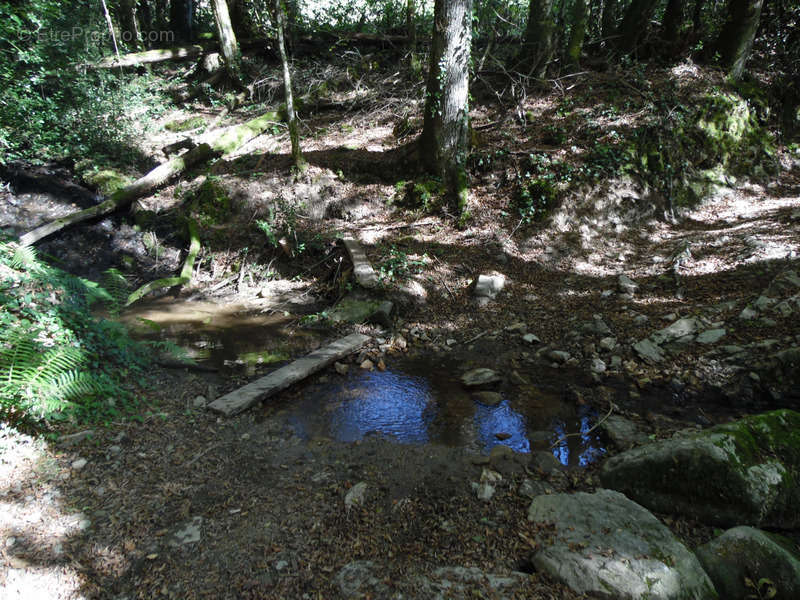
{"type": "Point", "coordinates": [363, 271]}
{"type": "Point", "coordinates": [240, 400]}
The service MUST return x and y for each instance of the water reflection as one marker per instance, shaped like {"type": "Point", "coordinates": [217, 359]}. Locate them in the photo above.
{"type": "Point", "coordinates": [582, 449]}
{"type": "Point", "coordinates": [389, 403]}
{"type": "Point", "coordinates": [425, 403]}
{"type": "Point", "coordinates": [491, 420]}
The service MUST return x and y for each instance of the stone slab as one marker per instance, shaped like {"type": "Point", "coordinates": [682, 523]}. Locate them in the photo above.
{"type": "Point", "coordinates": [362, 270]}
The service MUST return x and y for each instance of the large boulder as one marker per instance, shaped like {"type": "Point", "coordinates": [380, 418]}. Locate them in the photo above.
{"type": "Point", "coordinates": [744, 553]}
{"type": "Point", "coordinates": [741, 473]}
{"type": "Point", "coordinates": [605, 544]}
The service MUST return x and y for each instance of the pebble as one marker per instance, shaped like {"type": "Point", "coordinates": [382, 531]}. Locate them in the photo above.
{"type": "Point", "coordinates": [78, 464]}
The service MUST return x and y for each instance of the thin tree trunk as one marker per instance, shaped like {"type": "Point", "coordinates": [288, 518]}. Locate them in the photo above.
{"type": "Point", "coordinates": [736, 38]}
{"type": "Point", "coordinates": [577, 33]}
{"type": "Point", "coordinates": [635, 23]}
{"type": "Point", "coordinates": [110, 27]}
{"type": "Point", "coordinates": [227, 40]}
{"type": "Point", "coordinates": [126, 16]}
{"type": "Point", "coordinates": [291, 116]}
{"type": "Point", "coordinates": [538, 45]}
{"type": "Point", "coordinates": [411, 28]}
{"type": "Point", "coordinates": [697, 16]}
{"type": "Point", "coordinates": [443, 143]}
{"type": "Point", "coordinates": [180, 19]}
{"type": "Point", "coordinates": [673, 20]}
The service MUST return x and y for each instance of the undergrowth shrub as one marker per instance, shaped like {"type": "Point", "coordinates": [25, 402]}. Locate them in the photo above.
{"type": "Point", "coordinates": [57, 361]}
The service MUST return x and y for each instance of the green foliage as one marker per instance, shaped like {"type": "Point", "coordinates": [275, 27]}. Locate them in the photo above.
{"type": "Point", "coordinates": [535, 199]}
{"type": "Point", "coordinates": [181, 125]}
{"type": "Point", "coordinates": [425, 194]}
{"type": "Point", "coordinates": [52, 106]}
{"type": "Point", "coordinates": [762, 590]}
{"type": "Point", "coordinates": [397, 264]}
{"type": "Point", "coordinates": [282, 223]}
{"type": "Point", "coordinates": [56, 360]}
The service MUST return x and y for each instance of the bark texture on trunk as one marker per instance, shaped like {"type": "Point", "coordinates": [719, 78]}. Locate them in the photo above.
{"type": "Point", "coordinates": [609, 19]}
{"type": "Point", "coordinates": [736, 38]}
{"type": "Point", "coordinates": [227, 40]}
{"type": "Point", "coordinates": [539, 44]}
{"type": "Point", "coordinates": [444, 139]}
{"type": "Point", "coordinates": [291, 116]}
{"type": "Point", "coordinates": [635, 23]}
{"type": "Point", "coordinates": [577, 33]}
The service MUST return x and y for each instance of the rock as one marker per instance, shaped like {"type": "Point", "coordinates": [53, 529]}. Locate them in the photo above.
{"type": "Point", "coordinates": [199, 402]}
{"type": "Point", "coordinates": [401, 342]}
{"type": "Point", "coordinates": [361, 578]}
{"type": "Point", "coordinates": [748, 314]}
{"type": "Point", "coordinates": [545, 462]}
{"type": "Point", "coordinates": [558, 356]}
{"type": "Point", "coordinates": [367, 365]}
{"type": "Point", "coordinates": [499, 453]}
{"type": "Point", "coordinates": [711, 336]}
{"type": "Point", "coordinates": [79, 464]}
{"type": "Point", "coordinates": [461, 583]}
{"type": "Point", "coordinates": [679, 329]}
{"type": "Point", "coordinates": [355, 495]}
{"type": "Point", "coordinates": [626, 285]}
{"type": "Point", "coordinates": [480, 377]}
{"type": "Point", "coordinates": [740, 473]}
{"type": "Point", "coordinates": [486, 287]}
{"type": "Point", "coordinates": [531, 338]}
{"type": "Point", "coordinates": [597, 366]}
{"type": "Point", "coordinates": [785, 284]}
{"type": "Point", "coordinates": [649, 351]}
{"type": "Point", "coordinates": [530, 488]}
{"type": "Point", "coordinates": [623, 432]}
{"type": "Point", "coordinates": [383, 314]}
{"type": "Point", "coordinates": [502, 435]}
{"type": "Point", "coordinates": [188, 533]}
{"type": "Point", "coordinates": [341, 368]}
{"type": "Point", "coordinates": [743, 552]}
{"type": "Point", "coordinates": [485, 489]}
{"type": "Point", "coordinates": [641, 319]}
{"type": "Point", "coordinates": [75, 438]}
{"type": "Point", "coordinates": [596, 326]}
{"type": "Point", "coordinates": [357, 309]}
{"type": "Point", "coordinates": [608, 344]}
{"type": "Point", "coordinates": [605, 544]}
{"type": "Point", "coordinates": [488, 398]}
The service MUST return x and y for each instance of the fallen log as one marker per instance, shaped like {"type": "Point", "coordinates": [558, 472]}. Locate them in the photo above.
{"type": "Point", "coordinates": [151, 56]}
{"type": "Point", "coordinates": [225, 142]}
{"type": "Point", "coordinates": [260, 389]}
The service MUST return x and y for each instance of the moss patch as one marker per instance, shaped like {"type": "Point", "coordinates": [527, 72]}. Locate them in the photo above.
{"type": "Point", "coordinates": [180, 125]}
{"type": "Point", "coordinates": [107, 181]}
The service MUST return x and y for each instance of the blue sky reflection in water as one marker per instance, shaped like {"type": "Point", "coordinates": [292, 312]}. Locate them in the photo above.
{"type": "Point", "coordinates": [424, 403]}
{"type": "Point", "coordinates": [392, 403]}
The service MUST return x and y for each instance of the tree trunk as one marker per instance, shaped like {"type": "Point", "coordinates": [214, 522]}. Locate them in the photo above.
{"type": "Point", "coordinates": [227, 40]}
{"type": "Point", "coordinates": [126, 17]}
{"type": "Point", "coordinates": [609, 19]}
{"type": "Point", "coordinates": [577, 33]}
{"type": "Point", "coordinates": [291, 116]}
{"type": "Point", "coordinates": [635, 23]}
{"type": "Point", "coordinates": [240, 19]}
{"type": "Point", "coordinates": [736, 38]}
{"type": "Point", "coordinates": [539, 44]}
{"type": "Point", "coordinates": [180, 19]}
{"type": "Point", "coordinates": [697, 17]}
{"type": "Point", "coordinates": [145, 15]}
{"type": "Point", "coordinates": [673, 20]}
{"type": "Point", "coordinates": [443, 143]}
{"type": "Point", "coordinates": [411, 28]}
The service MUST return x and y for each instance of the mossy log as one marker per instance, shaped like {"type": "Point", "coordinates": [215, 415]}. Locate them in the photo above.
{"type": "Point", "coordinates": [150, 56]}
{"type": "Point", "coordinates": [186, 272]}
{"type": "Point", "coordinates": [225, 142]}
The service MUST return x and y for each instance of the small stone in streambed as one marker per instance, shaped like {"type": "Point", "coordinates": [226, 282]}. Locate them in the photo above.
{"type": "Point", "coordinates": [503, 435]}
{"type": "Point", "coordinates": [480, 377]}
{"type": "Point", "coordinates": [488, 398]}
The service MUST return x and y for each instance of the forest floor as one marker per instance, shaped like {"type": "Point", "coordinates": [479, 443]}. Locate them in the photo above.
{"type": "Point", "coordinates": [181, 503]}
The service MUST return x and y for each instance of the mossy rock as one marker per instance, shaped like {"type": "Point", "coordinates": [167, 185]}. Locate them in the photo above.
{"type": "Point", "coordinates": [352, 309]}
{"type": "Point", "coordinates": [425, 194]}
{"type": "Point", "coordinates": [211, 205]}
{"type": "Point", "coordinates": [107, 181]}
{"type": "Point", "coordinates": [180, 125]}
{"type": "Point", "coordinates": [741, 473]}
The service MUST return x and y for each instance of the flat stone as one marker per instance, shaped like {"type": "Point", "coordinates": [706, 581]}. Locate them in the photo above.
{"type": "Point", "coordinates": [488, 398]}
{"type": "Point", "coordinates": [356, 495]}
{"type": "Point", "coordinates": [608, 344]}
{"type": "Point", "coordinates": [488, 285]}
{"type": "Point", "coordinates": [530, 488]}
{"type": "Point", "coordinates": [480, 377]}
{"type": "Point", "coordinates": [79, 464]}
{"type": "Point", "coordinates": [531, 338]}
{"type": "Point", "coordinates": [189, 533]}
{"type": "Point", "coordinates": [626, 285]}
{"type": "Point", "coordinates": [678, 329]}
{"type": "Point", "coordinates": [623, 432]}
{"type": "Point", "coordinates": [649, 351]}
{"type": "Point", "coordinates": [744, 552]}
{"type": "Point", "coordinates": [362, 269]}
{"type": "Point", "coordinates": [607, 545]}
{"type": "Point", "coordinates": [558, 356]}
{"type": "Point", "coordinates": [711, 336]}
